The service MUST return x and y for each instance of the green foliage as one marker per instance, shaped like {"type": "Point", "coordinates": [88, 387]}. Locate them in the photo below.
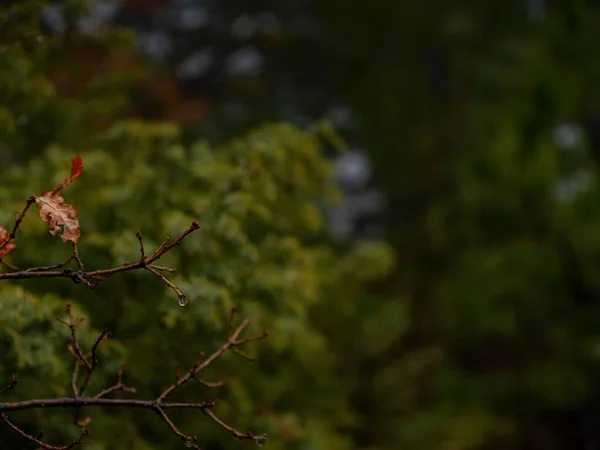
{"type": "Point", "coordinates": [256, 208]}
{"type": "Point", "coordinates": [495, 223]}
{"type": "Point", "coordinates": [260, 246]}
{"type": "Point", "coordinates": [483, 333]}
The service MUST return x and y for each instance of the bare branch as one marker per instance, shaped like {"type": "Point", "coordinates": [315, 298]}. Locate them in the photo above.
{"type": "Point", "coordinates": [159, 405]}
{"type": "Point", "coordinates": [77, 441]}
{"type": "Point", "coordinates": [92, 278]}
{"type": "Point", "coordinates": [230, 344]}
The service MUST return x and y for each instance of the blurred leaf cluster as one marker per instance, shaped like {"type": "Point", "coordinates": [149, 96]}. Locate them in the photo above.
{"type": "Point", "coordinates": [261, 246]}
{"type": "Point", "coordinates": [481, 122]}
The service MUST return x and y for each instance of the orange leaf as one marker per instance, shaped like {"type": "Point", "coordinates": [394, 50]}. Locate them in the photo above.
{"type": "Point", "coordinates": [59, 215]}
{"type": "Point", "coordinates": [4, 236]}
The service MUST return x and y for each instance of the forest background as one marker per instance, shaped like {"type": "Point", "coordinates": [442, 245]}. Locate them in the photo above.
{"type": "Point", "coordinates": [427, 260]}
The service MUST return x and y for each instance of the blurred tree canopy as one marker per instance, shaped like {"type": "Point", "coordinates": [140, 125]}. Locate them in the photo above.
{"type": "Point", "coordinates": [482, 126]}
{"type": "Point", "coordinates": [481, 123]}
{"type": "Point", "coordinates": [261, 246]}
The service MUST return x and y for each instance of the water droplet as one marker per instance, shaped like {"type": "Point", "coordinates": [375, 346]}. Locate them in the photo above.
{"type": "Point", "coordinates": [183, 300]}
{"type": "Point", "coordinates": [261, 440]}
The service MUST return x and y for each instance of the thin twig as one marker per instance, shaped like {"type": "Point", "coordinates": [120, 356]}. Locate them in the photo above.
{"type": "Point", "coordinates": [13, 384]}
{"type": "Point", "coordinates": [242, 436]}
{"type": "Point", "coordinates": [167, 282]}
{"type": "Point", "coordinates": [94, 360]}
{"type": "Point", "coordinates": [19, 219]}
{"type": "Point", "coordinates": [76, 257]}
{"type": "Point", "coordinates": [52, 267]}
{"type": "Point", "coordinates": [189, 440]}
{"type": "Point", "coordinates": [77, 441]}
{"type": "Point", "coordinates": [119, 386]}
{"type": "Point", "coordinates": [209, 384]}
{"type": "Point", "coordinates": [138, 234]}
{"type": "Point", "coordinates": [9, 265]}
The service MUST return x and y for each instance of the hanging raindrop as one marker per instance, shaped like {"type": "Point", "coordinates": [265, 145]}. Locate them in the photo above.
{"type": "Point", "coordinates": [261, 440]}
{"type": "Point", "coordinates": [183, 300]}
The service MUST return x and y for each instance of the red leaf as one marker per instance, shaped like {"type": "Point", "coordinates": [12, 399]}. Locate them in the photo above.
{"type": "Point", "coordinates": [59, 215]}
{"type": "Point", "coordinates": [4, 236]}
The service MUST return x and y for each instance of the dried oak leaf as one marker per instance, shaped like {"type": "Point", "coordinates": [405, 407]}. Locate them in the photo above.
{"type": "Point", "coordinates": [60, 216]}
{"type": "Point", "coordinates": [6, 248]}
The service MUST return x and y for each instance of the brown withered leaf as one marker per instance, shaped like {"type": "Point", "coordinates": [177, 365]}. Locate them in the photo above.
{"type": "Point", "coordinates": [4, 236]}
{"type": "Point", "coordinates": [59, 215]}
